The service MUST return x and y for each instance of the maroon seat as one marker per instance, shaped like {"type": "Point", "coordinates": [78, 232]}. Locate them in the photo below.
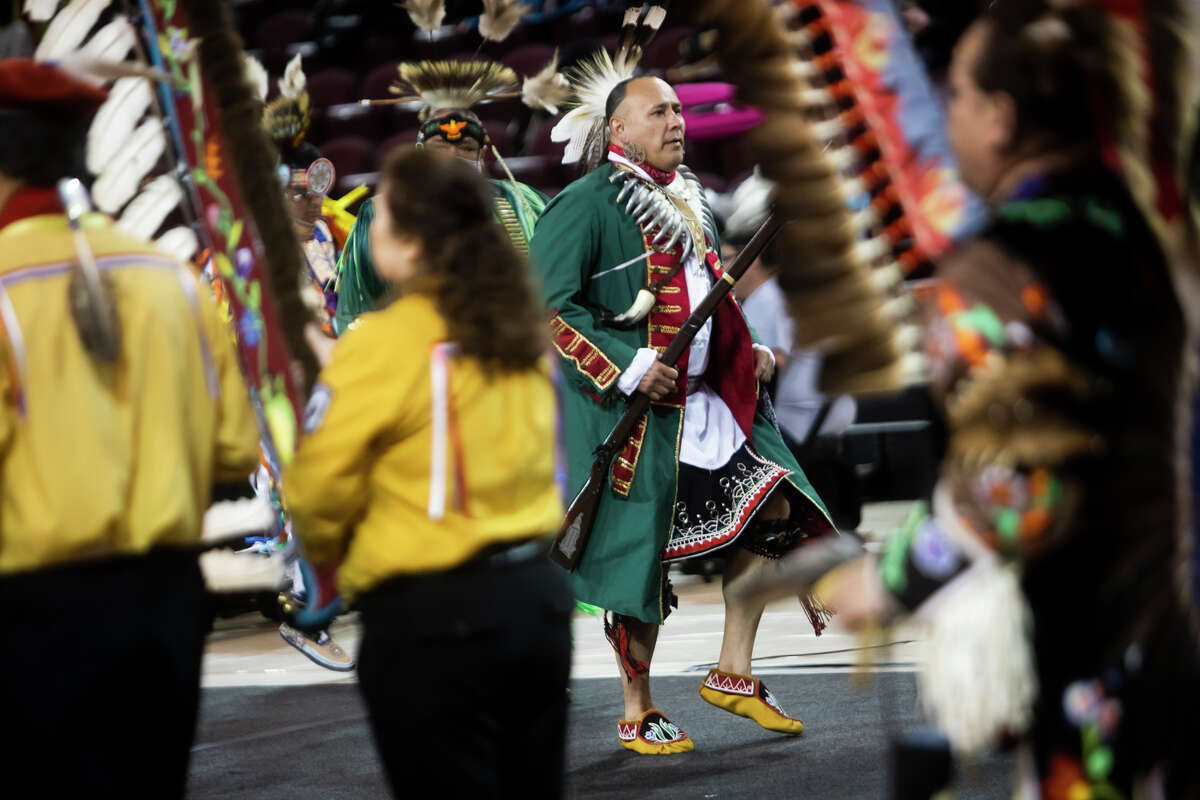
{"type": "Point", "coordinates": [331, 87]}
{"type": "Point", "coordinates": [541, 145]}
{"type": "Point", "coordinates": [348, 119]}
{"type": "Point", "coordinates": [375, 85]}
{"type": "Point", "coordinates": [501, 133]}
{"type": "Point", "coordinates": [528, 59]}
{"type": "Point", "coordinates": [537, 171]}
{"type": "Point", "coordinates": [277, 31]}
{"type": "Point", "coordinates": [380, 48]}
{"type": "Point", "coordinates": [402, 117]}
{"type": "Point", "coordinates": [663, 52]}
{"type": "Point", "coordinates": [350, 154]}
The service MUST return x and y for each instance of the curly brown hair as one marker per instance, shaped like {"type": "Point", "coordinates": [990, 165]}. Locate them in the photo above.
{"type": "Point", "coordinates": [482, 286]}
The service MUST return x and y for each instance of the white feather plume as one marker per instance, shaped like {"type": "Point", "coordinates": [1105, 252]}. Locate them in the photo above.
{"type": "Point", "coordinates": [548, 89]}
{"type": "Point", "coordinates": [426, 14]}
{"type": "Point", "coordinates": [256, 74]}
{"type": "Point", "coordinates": [293, 82]}
{"type": "Point", "coordinates": [114, 122]}
{"type": "Point", "coordinates": [40, 10]}
{"type": "Point", "coordinates": [69, 28]}
{"type": "Point", "coordinates": [119, 180]}
{"type": "Point", "coordinates": [593, 81]}
{"type": "Point", "coordinates": [146, 213]}
{"type": "Point", "coordinates": [751, 201]}
{"type": "Point", "coordinates": [180, 242]}
{"type": "Point", "coordinates": [500, 17]}
{"type": "Point", "coordinates": [112, 42]}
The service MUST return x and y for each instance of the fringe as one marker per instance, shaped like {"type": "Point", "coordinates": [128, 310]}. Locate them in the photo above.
{"type": "Point", "coordinates": [818, 615]}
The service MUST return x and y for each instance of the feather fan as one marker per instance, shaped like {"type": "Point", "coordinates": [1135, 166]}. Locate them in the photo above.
{"type": "Point", "coordinates": [548, 89]}
{"type": "Point", "coordinates": [500, 17]}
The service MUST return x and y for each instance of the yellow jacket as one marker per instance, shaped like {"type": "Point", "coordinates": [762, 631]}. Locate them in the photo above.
{"type": "Point", "coordinates": [99, 461]}
{"type": "Point", "coordinates": [361, 486]}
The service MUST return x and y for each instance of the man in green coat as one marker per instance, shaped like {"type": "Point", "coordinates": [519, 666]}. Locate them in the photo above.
{"type": "Point", "coordinates": [706, 469]}
{"type": "Point", "coordinates": [459, 133]}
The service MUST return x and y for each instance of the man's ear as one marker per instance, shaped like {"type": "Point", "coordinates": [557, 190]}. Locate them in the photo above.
{"type": "Point", "coordinates": [616, 129]}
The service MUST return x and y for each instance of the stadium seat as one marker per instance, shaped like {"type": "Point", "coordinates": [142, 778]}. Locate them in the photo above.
{"type": "Point", "coordinates": [331, 87]}
{"type": "Point", "coordinates": [350, 154]}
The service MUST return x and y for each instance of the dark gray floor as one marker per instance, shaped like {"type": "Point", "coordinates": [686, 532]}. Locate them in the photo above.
{"type": "Point", "coordinates": [310, 742]}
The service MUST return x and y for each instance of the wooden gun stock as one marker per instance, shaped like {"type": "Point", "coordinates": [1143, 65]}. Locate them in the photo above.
{"type": "Point", "coordinates": [576, 529]}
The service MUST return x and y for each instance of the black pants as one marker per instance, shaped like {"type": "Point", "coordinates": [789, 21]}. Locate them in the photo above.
{"type": "Point", "coordinates": [100, 677]}
{"type": "Point", "coordinates": [465, 676]}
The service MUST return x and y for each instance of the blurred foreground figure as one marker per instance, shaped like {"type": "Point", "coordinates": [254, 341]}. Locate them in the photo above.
{"type": "Point", "coordinates": [426, 468]}
{"type": "Point", "coordinates": [122, 404]}
{"type": "Point", "coordinates": [1051, 567]}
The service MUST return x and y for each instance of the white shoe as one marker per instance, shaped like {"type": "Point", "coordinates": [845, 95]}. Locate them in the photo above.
{"type": "Point", "coordinates": [229, 519]}
{"type": "Point", "coordinates": [226, 572]}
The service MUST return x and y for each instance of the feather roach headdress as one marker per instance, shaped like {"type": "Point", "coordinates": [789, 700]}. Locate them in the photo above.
{"type": "Point", "coordinates": [583, 128]}
{"type": "Point", "coordinates": [454, 84]}
{"type": "Point", "coordinates": [446, 84]}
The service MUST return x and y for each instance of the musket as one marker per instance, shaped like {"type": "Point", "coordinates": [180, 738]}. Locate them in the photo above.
{"type": "Point", "coordinates": [577, 526]}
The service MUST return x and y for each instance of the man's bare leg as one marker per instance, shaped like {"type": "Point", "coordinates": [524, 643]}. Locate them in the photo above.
{"type": "Point", "coordinates": [642, 732]}
{"type": "Point", "coordinates": [743, 606]}
{"type": "Point", "coordinates": [730, 686]}
{"type": "Point", "coordinates": [642, 638]}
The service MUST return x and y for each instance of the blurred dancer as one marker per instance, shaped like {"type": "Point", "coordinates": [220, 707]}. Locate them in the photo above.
{"type": "Point", "coordinates": [122, 404]}
{"type": "Point", "coordinates": [426, 468]}
{"type": "Point", "coordinates": [1056, 545]}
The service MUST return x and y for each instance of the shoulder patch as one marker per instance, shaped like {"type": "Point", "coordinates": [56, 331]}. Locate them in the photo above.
{"type": "Point", "coordinates": [317, 408]}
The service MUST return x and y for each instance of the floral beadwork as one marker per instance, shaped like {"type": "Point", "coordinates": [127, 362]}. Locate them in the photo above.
{"type": "Point", "coordinates": [1087, 707]}
{"type": "Point", "coordinates": [932, 551]}
{"type": "Point", "coordinates": [1018, 505]}
{"type": "Point", "coordinates": [662, 732]}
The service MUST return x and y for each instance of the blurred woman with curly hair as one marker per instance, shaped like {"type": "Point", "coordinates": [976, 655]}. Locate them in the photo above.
{"type": "Point", "coordinates": [426, 470]}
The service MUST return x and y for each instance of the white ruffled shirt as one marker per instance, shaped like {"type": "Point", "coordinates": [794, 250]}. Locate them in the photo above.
{"type": "Point", "coordinates": [711, 435]}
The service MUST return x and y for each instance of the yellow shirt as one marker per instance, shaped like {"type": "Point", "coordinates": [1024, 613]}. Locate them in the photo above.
{"type": "Point", "coordinates": [98, 461]}
{"type": "Point", "coordinates": [360, 485]}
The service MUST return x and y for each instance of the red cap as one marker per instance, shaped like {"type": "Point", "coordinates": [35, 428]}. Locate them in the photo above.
{"type": "Point", "coordinates": [25, 83]}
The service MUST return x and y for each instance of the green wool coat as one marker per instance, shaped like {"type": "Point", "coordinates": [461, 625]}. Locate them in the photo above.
{"type": "Point", "coordinates": [582, 233]}
{"type": "Point", "coordinates": [359, 287]}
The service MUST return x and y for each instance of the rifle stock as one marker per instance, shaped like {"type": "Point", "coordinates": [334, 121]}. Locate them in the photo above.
{"type": "Point", "coordinates": [576, 529]}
